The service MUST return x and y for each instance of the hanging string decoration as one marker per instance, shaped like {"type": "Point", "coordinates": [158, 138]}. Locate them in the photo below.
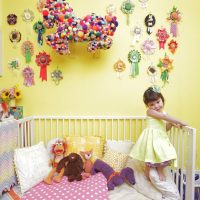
{"type": "Point", "coordinates": [12, 19]}
{"type": "Point", "coordinates": [42, 60]}
{"type": "Point", "coordinates": [174, 18]}
{"type": "Point", "coordinates": [27, 15]}
{"type": "Point", "coordinates": [14, 64]}
{"type": "Point", "coordinates": [173, 45]}
{"type": "Point", "coordinates": [94, 29]}
{"type": "Point", "coordinates": [152, 72]}
{"type": "Point", "coordinates": [40, 30]}
{"type": "Point", "coordinates": [162, 37]}
{"type": "Point", "coordinates": [136, 31]}
{"type": "Point", "coordinates": [57, 76]}
{"type": "Point", "coordinates": [150, 21]}
{"type": "Point", "coordinates": [127, 8]}
{"type": "Point", "coordinates": [148, 47]}
{"type": "Point", "coordinates": [143, 3]}
{"type": "Point", "coordinates": [134, 58]}
{"type": "Point", "coordinates": [119, 67]}
{"type": "Point", "coordinates": [28, 75]}
{"type": "Point", "coordinates": [15, 37]}
{"type": "Point", "coordinates": [165, 66]}
{"type": "Point", "coordinates": [27, 50]}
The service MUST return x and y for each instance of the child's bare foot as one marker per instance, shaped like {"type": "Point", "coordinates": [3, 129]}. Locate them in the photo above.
{"type": "Point", "coordinates": [161, 174]}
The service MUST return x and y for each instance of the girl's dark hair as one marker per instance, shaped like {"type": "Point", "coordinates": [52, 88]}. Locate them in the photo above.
{"type": "Point", "coordinates": [151, 95]}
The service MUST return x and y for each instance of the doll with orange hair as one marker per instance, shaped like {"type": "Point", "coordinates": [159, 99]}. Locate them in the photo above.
{"type": "Point", "coordinates": [58, 150]}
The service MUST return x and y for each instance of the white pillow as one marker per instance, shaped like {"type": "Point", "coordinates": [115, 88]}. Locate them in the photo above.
{"type": "Point", "coordinates": [142, 185]}
{"type": "Point", "coordinates": [31, 165]}
{"type": "Point", "coordinates": [119, 146]}
{"type": "Point", "coordinates": [167, 188]}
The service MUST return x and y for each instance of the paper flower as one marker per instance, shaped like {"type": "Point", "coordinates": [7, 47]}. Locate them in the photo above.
{"type": "Point", "coordinates": [174, 18]}
{"type": "Point", "coordinates": [165, 66]}
{"type": "Point", "coordinates": [173, 45]}
{"type": "Point", "coordinates": [134, 58]}
{"type": "Point", "coordinates": [42, 60]}
{"type": "Point", "coordinates": [127, 8]}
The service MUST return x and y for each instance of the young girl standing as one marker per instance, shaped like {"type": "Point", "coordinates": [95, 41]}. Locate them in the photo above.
{"type": "Point", "coordinates": [153, 146]}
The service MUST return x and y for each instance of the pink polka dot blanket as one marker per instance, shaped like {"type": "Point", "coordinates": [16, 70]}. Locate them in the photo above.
{"type": "Point", "coordinates": [94, 187]}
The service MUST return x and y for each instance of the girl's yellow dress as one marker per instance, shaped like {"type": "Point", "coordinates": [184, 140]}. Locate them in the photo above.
{"type": "Point", "coordinates": [153, 146]}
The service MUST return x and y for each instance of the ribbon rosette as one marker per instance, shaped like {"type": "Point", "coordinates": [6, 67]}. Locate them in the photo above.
{"type": "Point", "coordinates": [119, 67]}
{"type": "Point", "coordinates": [165, 66]}
{"type": "Point", "coordinates": [12, 19]}
{"type": "Point", "coordinates": [143, 3]}
{"type": "Point", "coordinates": [134, 58]}
{"type": "Point", "coordinates": [148, 47]}
{"type": "Point", "coordinates": [173, 45]}
{"type": "Point", "coordinates": [174, 18]}
{"type": "Point", "coordinates": [162, 37]}
{"type": "Point", "coordinates": [127, 8]}
{"type": "Point", "coordinates": [149, 21]}
{"type": "Point", "coordinates": [27, 50]}
{"type": "Point", "coordinates": [39, 29]}
{"type": "Point", "coordinates": [15, 37]}
{"type": "Point", "coordinates": [57, 76]}
{"type": "Point", "coordinates": [42, 60]}
{"type": "Point", "coordinates": [27, 15]}
{"type": "Point", "coordinates": [136, 31]}
{"type": "Point", "coordinates": [152, 72]}
{"type": "Point", "coordinates": [28, 74]}
{"type": "Point", "coordinates": [14, 63]}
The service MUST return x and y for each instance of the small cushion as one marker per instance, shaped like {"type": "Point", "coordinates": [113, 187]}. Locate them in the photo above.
{"type": "Point", "coordinates": [119, 146]}
{"type": "Point", "coordinates": [86, 143]}
{"type": "Point", "coordinates": [31, 165]}
{"type": "Point", "coordinates": [116, 160]}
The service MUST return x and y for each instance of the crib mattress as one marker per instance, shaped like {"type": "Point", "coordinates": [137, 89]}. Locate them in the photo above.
{"type": "Point", "coordinates": [94, 187]}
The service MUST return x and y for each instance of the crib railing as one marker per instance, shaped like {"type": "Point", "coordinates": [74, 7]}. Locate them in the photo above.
{"type": "Point", "coordinates": [34, 129]}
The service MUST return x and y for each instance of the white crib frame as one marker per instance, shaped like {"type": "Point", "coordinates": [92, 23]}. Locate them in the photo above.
{"type": "Point", "coordinates": [33, 129]}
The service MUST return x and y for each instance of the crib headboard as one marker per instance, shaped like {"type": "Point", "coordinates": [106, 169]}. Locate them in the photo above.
{"type": "Point", "coordinates": [33, 129]}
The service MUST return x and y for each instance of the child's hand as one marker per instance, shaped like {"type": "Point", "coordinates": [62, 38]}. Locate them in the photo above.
{"type": "Point", "coordinates": [179, 125]}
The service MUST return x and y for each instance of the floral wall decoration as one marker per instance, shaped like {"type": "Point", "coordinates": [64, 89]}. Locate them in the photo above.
{"type": "Point", "coordinates": [94, 29]}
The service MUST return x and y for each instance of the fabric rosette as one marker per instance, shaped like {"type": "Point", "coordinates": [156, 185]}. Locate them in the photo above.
{"type": "Point", "coordinates": [119, 67]}
{"type": "Point", "coordinates": [27, 50]}
{"type": "Point", "coordinates": [150, 21]}
{"type": "Point", "coordinates": [162, 37]}
{"type": "Point", "coordinates": [39, 28]}
{"type": "Point", "coordinates": [57, 76]}
{"type": "Point", "coordinates": [14, 64]}
{"type": "Point", "coordinates": [127, 8]}
{"type": "Point", "coordinates": [136, 31]}
{"type": "Point", "coordinates": [134, 58]}
{"type": "Point", "coordinates": [173, 45]}
{"type": "Point", "coordinates": [148, 47]}
{"type": "Point", "coordinates": [174, 18]}
{"type": "Point", "coordinates": [152, 72]}
{"type": "Point", "coordinates": [165, 66]}
{"type": "Point", "coordinates": [12, 19]}
{"type": "Point", "coordinates": [143, 3]}
{"type": "Point", "coordinates": [28, 75]}
{"type": "Point", "coordinates": [15, 37]}
{"type": "Point", "coordinates": [27, 15]}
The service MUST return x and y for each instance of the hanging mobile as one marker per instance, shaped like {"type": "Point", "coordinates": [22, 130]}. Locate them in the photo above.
{"type": "Point", "coordinates": [15, 37]}
{"type": "Point", "coordinates": [27, 50]}
{"type": "Point", "coordinates": [150, 21]}
{"type": "Point", "coordinates": [134, 58]}
{"type": "Point", "coordinates": [119, 67]}
{"type": "Point", "coordinates": [39, 29]}
{"type": "Point", "coordinates": [127, 8]}
{"type": "Point", "coordinates": [12, 19]}
{"type": "Point", "coordinates": [57, 76]}
{"type": "Point", "coordinates": [136, 31]}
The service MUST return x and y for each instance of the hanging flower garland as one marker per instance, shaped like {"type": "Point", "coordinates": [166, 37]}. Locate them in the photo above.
{"type": "Point", "coordinates": [14, 64]}
{"type": "Point", "coordinates": [42, 60]}
{"type": "Point", "coordinates": [15, 37]}
{"type": "Point", "coordinates": [136, 31]}
{"type": "Point", "coordinates": [162, 37]}
{"type": "Point", "coordinates": [148, 47]}
{"type": "Point", "coordinates": [12, 19]}
{"type": "Point", "coordinates": [134, 58]}
{"type": "Point", "coordinates": [28, 75]}
{"type": "Point", "coordinates": [152, 72]}
{"type": "Point", "coordinates": [119, 67]}
{"type": "Point", "coordinates": [28, 15]}
{"type": "Point", "coordinates": [27, 50]}
{"type": "Point", "coordinates": [39, 28]}
{"type": "Point", "coordinates": [127, 8]}
{"type": "Point", "coordinates": [165, 66]}
{"type": "Point", "coordinates": [174, 18]}
{"type": "Point", "coordinates": [173, 45]}
{"type": "Point", "coordinates": [57, 76]}
{"type": "Point", "coordinates": [150, 21]}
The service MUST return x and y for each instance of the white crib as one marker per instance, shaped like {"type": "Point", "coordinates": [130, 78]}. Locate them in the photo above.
{"type": "Point", "coordinates": [33, 129]}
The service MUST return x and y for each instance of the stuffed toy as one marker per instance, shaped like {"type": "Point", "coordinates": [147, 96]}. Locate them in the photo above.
{"type": "Point", "coordinates": [58, 150]}
{"type": "Point", "coordinates": [87, 166]}
{"type": "Point", "coordinates": [73, 167]}
{"type": "Point", "coordinates": [3, 111]}
{"type": "Point", "coordinates": [113, 178]}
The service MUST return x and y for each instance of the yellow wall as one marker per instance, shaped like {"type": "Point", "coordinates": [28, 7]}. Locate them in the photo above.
{"type": "Point", "coordinates": [90, 85]}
